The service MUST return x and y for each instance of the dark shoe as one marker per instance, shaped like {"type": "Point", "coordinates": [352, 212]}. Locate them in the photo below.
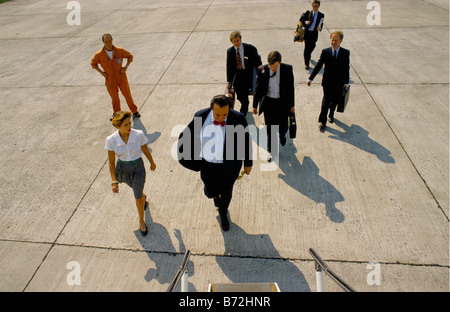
{"type": "Point", "coordinates": [144, 232]}
{"type": "Point", "coordinates": [331, 119]}
{"type": "Point", "coordinates": [136, 115]}
{"type": "Point", "coordinates": [322, 127]}
{"type": "Point", "coordinates": [283, 141]}
{"type": "Point", "coordinates": [224, 222]}
{"type": "Point", "coordinates": [307, 67]}
{"type": "Point", "coordinates": [269, 158]}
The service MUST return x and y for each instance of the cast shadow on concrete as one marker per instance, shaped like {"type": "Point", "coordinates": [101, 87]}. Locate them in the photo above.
{"type": "Point", "coordinates": [305, 178]}
{"type": "Point", "coordinates": [138, 125]}
{"type": "Point", "coordinates": [158, 246]}
{"type": "Point", "coordinates": [359, 137]}
{"type": "Point", "coordinates": [252, 258]}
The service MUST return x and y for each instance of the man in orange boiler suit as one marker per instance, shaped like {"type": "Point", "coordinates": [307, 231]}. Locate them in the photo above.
{"type": "Point", "coordinates": [111, 58]}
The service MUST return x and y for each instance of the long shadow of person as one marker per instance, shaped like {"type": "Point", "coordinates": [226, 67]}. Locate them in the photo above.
{"type": "Point", "coordinates": [359, 137]}
{"type": "Point", "coordinates": [159, 247]}
{"type": "Point", "coordinates": [252, 258]}
{"type": "Point", "coordinates": [138, 125]}
{"type": "Point", "coordinates": [305, 178]}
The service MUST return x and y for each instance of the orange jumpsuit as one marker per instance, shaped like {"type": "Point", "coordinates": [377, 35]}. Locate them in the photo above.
{"type": "Point", "coordinates": [116, 80]}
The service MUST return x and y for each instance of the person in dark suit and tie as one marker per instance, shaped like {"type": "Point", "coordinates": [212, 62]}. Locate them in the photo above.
{"type": "Point", "coordinates": [242, 58]}
{"type": "Point", "coordinates": [335, 77]}
{"type": "Point", "coordinates": [216, 142]}
{"type": "Point", "coordinates": [314, 22]}
{"type": "Point", "coordinates": [275, 95]}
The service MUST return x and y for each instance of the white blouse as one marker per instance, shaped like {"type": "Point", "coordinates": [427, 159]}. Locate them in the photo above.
{"type": "Point", "coordinates": [127, 151]}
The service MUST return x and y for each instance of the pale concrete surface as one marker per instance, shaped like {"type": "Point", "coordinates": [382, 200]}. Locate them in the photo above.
{"type": "Point", "coordinates": [372, 188]}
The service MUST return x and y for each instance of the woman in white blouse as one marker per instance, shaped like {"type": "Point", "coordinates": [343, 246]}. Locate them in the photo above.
{"type": "Point", "coordinates": [128, 145]}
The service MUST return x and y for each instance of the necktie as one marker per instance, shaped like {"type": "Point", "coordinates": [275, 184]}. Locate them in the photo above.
{"type": "Point", "coordinates": [334, 54]}
{"type": "Point", "coordinates": [312, 25]}
{"type": "Point", "coordinates": [238, 59]}
{"type": "Point", "coordinates": [219, 123]}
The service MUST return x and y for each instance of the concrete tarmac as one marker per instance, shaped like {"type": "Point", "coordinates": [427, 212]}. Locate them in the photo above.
{"type": "Point", "coordinates": [370, 194]}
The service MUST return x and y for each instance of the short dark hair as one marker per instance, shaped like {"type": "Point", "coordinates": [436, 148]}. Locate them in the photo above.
{"type": "Point", "coordinates": [274, 57]}
{"type": "Point", "coordinates": [103, 37]}
{"type": "Point", "coordinates": [222, 100]}
{"type": "Point", "coordinates": [316, 1]}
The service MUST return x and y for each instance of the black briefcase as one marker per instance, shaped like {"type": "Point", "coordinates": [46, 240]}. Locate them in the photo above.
{"type": "Point", "coordinates": [292, 126]}
{"type": "Point", "coordinates": [343, 100]}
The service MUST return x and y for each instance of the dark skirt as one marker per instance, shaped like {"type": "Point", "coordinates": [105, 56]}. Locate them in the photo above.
{"type": "Point", "coordinates": [133, 174]}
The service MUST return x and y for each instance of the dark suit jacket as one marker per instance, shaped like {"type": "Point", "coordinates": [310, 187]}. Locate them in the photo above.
{"type": "Point", "coordinates": [337, 72]}
{"type": "Point", "coordinates": [189, 144]}
{"type": "Point", "coordinates": [251, 60]}
{"type": "Point", "coordinates": [287, 92]}
{"type": "Point", "coordinates": [305, 17]}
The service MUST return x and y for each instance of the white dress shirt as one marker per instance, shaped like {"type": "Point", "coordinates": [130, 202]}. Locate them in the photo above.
{"type": "Point", "coordinates": [129, 151]}
{"type": "Point", "coordinates": [212, 140]}
{"type": "Point", "coordinates": [273, 90]}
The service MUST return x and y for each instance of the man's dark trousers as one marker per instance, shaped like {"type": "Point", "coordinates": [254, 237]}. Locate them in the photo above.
{"type": "Point", "coordinates": [310, 44]}
{"type": "Point", "coordinates": [274, 115]}
{"type": "Point", "coordinates": [242, 86]}
{"type": "Point", "coordinates": [217, 184]}
{"type": "Point", "coordinates": [331, 96]}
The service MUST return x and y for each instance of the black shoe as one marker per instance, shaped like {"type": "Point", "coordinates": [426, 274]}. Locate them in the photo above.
{"type": "Point", "coordinates": [307, 67]}
{"type": "Point", "coordinates": [322, 127]}
{"type": "Point", "coordinates": [136, 115]}
{"type": "Point", "coordinates": [331, 119]}
{"type": "Point", "coordinates": [224, 222]}
{"type": "Point", "coordinates": [144, 232]}
{"type": "Point", "coordinates": [269, 158]}
{"type": "Point", "coordinates": [283, 141]}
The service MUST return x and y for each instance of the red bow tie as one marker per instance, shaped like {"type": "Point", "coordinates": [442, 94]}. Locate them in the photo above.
{"type": "Point", "coordinates": [219, 123]}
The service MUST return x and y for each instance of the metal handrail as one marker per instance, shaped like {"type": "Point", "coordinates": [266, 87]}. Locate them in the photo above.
{"type": "Point", "coordinates": [321, 266]}
{"type": "Point", "coordinates": [182, 271]}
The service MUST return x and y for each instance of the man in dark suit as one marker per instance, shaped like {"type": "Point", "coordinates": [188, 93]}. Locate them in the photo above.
{"type": "Point", "coordinates": [242, 58]}
{"type": "Point", "coordinates": [335, 77]}
{"type": "Point", "coordinates": [275, 95]}
{"type": "Point", "coordinates": [313, 21]}
{"type": "Point", "coordinates": [216, 142]}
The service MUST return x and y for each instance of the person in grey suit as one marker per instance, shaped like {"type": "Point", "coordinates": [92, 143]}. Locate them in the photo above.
{"type": "Point", "coordinates": [242, 58]}
{"type": "Point", "coordinates": [335, 77]}
{"type": "Point", "coordinates": [275, 95]}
